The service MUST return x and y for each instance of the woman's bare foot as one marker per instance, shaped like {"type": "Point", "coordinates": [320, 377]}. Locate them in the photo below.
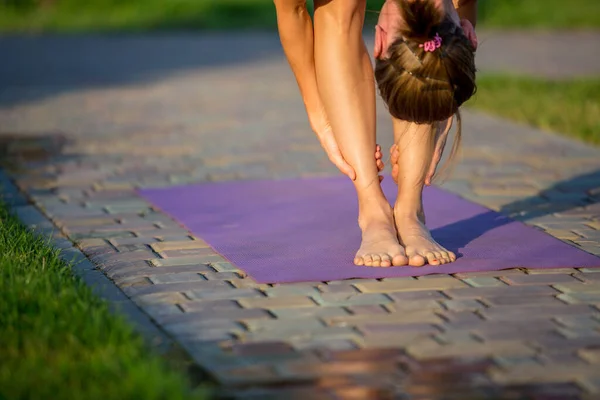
{"type": "Point", "coordinates": [419, 246]}
{"type": "Point", "coordinates": [379, 246]}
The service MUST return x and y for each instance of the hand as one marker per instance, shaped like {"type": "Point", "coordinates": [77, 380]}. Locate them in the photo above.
{"type": "Point", "coordinates": [378, 160]}
{"type": "Point", "coordinates": [469, 31]}
{"type": "Point", "coordinates": [329, 144]}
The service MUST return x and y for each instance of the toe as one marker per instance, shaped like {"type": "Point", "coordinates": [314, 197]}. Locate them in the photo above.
{"type": "Point", "coordinates": [386, 260]}
{"type": "Point", "coordinates": [432, 259]}
{"type": "Point", "coordinates": [376, 260]}
{"type": "Point", "coordinates": [368, 260]}
{"type": "Point", "coordinates": [446, 257]}
{"type": "Point", "coordinates": [452, 256]}
{"type": "Point", "coordinates": [416, 261]}
{"type": "Point", "coordinates": [399, 260]}
{"type": "Point", "coordinates": [359, 261]}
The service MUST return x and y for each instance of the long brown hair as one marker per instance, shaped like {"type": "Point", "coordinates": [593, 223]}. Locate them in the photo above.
{"type": "Point", "coordinates": [427, 87]}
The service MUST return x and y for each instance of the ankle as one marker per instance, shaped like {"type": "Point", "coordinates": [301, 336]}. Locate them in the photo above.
{"type": "Point", "coordinates": [409, 212]}
{"type": "Point", "coordinates": [374, 212]}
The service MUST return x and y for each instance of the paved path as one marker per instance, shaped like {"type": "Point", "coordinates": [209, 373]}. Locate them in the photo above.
{"type": "Point", "coordinates": [85, 121]}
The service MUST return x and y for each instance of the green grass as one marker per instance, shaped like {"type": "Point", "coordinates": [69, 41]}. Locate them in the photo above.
{"type": "Point", "coordinates": [569, 107]}
{"type": "Point", "coordinates": [59, 341]}
{"type": "Point", "coordinates": [144, 15]}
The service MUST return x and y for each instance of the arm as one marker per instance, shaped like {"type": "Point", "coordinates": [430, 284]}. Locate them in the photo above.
{"type": "Point", "coordinates": [296, 36]}
{"type": "Point", "coordinates": [467, 9]}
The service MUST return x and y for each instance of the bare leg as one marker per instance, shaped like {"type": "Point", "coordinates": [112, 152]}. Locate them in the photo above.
{"type": "Point", "coordinates": [416, 147]}
{"type": "Point", "coordinates": [347, 89]}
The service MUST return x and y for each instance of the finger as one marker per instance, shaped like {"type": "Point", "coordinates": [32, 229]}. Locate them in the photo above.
{"type": "Point", "coordinates": [343, 166]}
{"type": "Point", "coordinates": [433, 166]}
{"type": "Point", "coordinates": [380, 178]}
{"type": "Point", "coordinates": [380, 165]}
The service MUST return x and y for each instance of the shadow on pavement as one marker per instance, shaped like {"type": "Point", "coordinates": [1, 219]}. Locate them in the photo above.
{"type": "Point", "coordinates": [37, 67]}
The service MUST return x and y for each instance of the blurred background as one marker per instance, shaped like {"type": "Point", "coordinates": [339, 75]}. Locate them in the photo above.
{"type": "Point", "coordinates": [136, 15]}
{"type": "Point", "coordinates": [567, 103]}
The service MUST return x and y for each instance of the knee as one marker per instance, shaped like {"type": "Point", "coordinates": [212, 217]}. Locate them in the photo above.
{"type": "Point", "coordinates": [296, 6]}
{"type": "Point", "coordinates": [342, 13]}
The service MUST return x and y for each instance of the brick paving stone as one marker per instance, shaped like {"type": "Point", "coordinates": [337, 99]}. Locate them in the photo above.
{"type": "Point", "coordinates": [284, 290]}
{"type": "Point", "coordinates": [279, 302]}
{"type": "Point", "coordinates": [578, 287]}
{"type": "Point", "coordinates": [400, 297]}
{"type": "Point", "coordinates": [224, 267]}
{"type": "Point", "coordinates": [590, 355]}
{"type": "Point", "coordinates": [177, 287]}
{"type": "Point", "coordinates": [302, 334]}
{"type": "Point", "coordinates": [409, 317]}
{"type": "Point", "coordinates": [441, 283]}
{"type": "Point", "coordinates": [493, 274]}
{"type": "Point", "coordinates": [524, 301]}
{"type": "Point", "coordinates": [375, 328]}
{"type": "Point", "coordinates": [484, 281]}
{"type": "Point", "coordinates": [462, 305]}
{"type": "Point", "coordinates": [433, 349]}
{"type": "Point", "coordinates": [549, 279]}
{"type": "Point", "coordinates": [587, 277]}
{"type": "Point", "coordinates": [580, 298]}
{"type": "Point", "coordinates": [144, 240]}
{"type": "Point", "coordinates": [541, 374]}
{"type": "Point", "coordinates": [346, 299]}
{"type": "Point", "coordinates": [161, 298]}
{"type": "Point", "coordinates": [174, 261]}
{"type": "Point", "coordinates": [509, 313]}
{"type": "Point", "coordinates": [414, 305]}
{"type": "Point", "coordinates": [227, 294]}
{"type": "Point", "coordinates": [275, 324]}
{"type": "Point", "coordinates": [368, 309]}
{"type": "Point", "coordinates": [503, 291]}
{"type": "Point", "coordinates": [348, 289]}
{"type": "Point", "coordinates": [200, 253]}
{"type": "Point", "coordinates": [321, 312]}
{"type": "Point", "coordinates": [177, 278]}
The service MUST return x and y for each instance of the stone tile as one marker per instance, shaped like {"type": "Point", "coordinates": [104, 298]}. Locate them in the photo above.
{"type": "Point", "coordinates": [525, 301]}
{"type": "Point", "coordinates": [592, 356]}
{"type": "Point", "coordinates": [509, 313]}
{"type": "Point", "coordinates": [417, 296]}
{"type": "Point", "coordinates": [279, 302]}
{"type": "Point", "coordinates": [174, 261]}
{"type": "Point", "coordinates": [483, 281]}
{"type": "Point", "coordinates": [301, 334]}
{"type": "Point", "coordinates": [369, 309]}
{"type": "Point", "coordinates": [540, 279]}
{"type": "Point", "coordinates": [224, 294]}
{"type": "Point", "coordinates": [409, 317]}
{"type": "Point", "coordinates": [503, 291]}
{"type": "Point", "coordinates": [177, 278]}
{"type": "Point", "coordinates": [179, 245]}
{"type": "Point", "coordinates": [441, 283]}
{"type": "Point", "coordinates": [540, 374]}
{"type": "Point", "coordinates": [350, 299]}
{"type": "Point", "coordinates": [321, 312]}
{"type": "Point", "coordinates": [284, 290]}
{"type": "Point", "coordinates": [578, 287]}
{"type": "Point", "coordinates": [433, 349]}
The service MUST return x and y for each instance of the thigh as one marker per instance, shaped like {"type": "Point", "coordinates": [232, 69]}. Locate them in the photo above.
{"type": "Point", "coordinates": [342, 6]}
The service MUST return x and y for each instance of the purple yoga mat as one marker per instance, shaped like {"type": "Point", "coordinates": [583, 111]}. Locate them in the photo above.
{"type": "Point", "coordinates": [306, 230]}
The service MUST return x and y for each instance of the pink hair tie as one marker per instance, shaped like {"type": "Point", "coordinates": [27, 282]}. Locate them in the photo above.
{"type": "Point", "coordinates": [433, 44]}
